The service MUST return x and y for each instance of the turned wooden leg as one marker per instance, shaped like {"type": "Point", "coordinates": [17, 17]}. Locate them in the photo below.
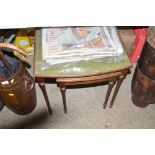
{"type": "Point", "coordinates": [110, 86]}
{"type": "Point", "coordinates": [41, 82]}
{"type": "Point", "coordinates": [119, 82]}
{"type": "Point", "coordinates": [63, 92]}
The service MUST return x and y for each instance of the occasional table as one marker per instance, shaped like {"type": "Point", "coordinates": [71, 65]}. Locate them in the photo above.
{"type": "Point", "coordinates": [81, 74]}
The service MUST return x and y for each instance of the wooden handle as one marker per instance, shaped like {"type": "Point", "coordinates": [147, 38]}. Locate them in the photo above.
{"type": "Point", "coordinates": [13, 47]}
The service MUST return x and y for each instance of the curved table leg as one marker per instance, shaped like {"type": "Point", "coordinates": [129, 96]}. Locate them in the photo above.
{"type": "Point", "coordinates": [119, 82]}
{"type": "Point", "coordinates": [110, 86]}
{"type": "Point", "coordinates": [41, 82]}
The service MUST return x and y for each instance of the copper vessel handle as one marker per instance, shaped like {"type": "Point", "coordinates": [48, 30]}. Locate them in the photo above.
{"type": "Point", "coordinates": [15, 48]}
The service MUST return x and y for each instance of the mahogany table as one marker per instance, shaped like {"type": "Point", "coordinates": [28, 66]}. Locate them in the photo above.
{"type": "Point", "coordinates": [81, 74]}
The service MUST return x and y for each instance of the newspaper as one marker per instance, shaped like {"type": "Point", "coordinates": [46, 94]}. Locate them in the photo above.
{"type": "Point", "coordinates": [73, 44]}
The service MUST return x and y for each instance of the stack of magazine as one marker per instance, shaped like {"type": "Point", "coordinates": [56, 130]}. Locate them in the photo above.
{"type": "Point", "coordinates": [61, 45]}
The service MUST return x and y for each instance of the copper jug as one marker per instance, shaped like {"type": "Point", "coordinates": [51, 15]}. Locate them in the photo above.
{"type": "Point", "coordinates": [18, 91]}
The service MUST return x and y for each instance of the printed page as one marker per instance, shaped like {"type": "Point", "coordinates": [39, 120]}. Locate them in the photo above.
{"type": "Point", "coordinates": [73, 44]}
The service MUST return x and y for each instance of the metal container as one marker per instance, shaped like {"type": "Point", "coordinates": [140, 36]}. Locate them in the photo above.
{"type": "Point", "coordinates": [142, 89]}
{"type": "Point", "coordinates": [18, 91]}
{"type": "Point", "coordinates": [143, 82]}
{"type": "Point", "coordinates": [146, 62]}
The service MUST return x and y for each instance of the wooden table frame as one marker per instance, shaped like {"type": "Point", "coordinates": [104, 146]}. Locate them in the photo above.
{"type": "Point", "coordinates": [113, 73]}
{"type": "Point", "coordinates": [111, 78]}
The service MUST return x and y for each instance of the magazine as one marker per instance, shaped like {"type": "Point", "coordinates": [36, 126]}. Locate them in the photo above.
{"type": "Point", "coordinates": [73, 44]}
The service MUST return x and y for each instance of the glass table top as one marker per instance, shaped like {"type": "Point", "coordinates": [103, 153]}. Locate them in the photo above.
{"type": "Point", "coordinates": [77, 69]}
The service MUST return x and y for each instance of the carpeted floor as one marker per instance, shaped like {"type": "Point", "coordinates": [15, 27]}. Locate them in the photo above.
{"type": "Point", "coordinates": [84, 108]}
